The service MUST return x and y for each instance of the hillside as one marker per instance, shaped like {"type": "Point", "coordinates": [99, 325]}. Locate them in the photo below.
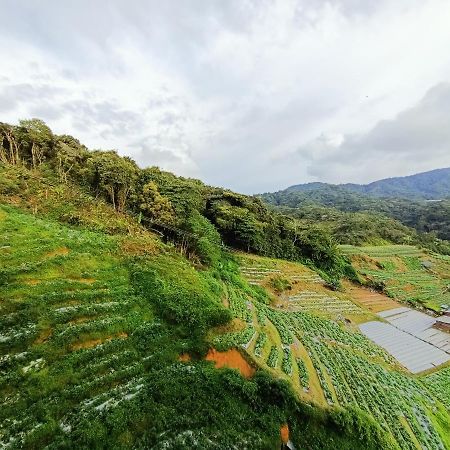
{"type": "Point", "coordinates": [91, 333]}
{"type": "Point", "coordinates": [410, 209]}
{"type": "Point", "coordinates": [144, 310]}
{"type": "Point", "coordinates": [431, 185]}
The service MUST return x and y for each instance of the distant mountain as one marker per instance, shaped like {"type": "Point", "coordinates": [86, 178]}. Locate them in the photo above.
{"type": "Point", "coordinates": [412, 200]}
{"type": "Point", "coordinates": [432, 185]}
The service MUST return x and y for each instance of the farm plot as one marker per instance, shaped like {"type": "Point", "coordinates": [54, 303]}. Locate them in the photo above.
{"type": "Point", "coordinates": [240, 305]}
{"type": "Point", "coordinates": [398, 403]}
{"type": "Point", "coordinates": [353, 371]}
{"type": "Point", "coordinates": [382, 250]}
{"type": "Point", "coordinates": [256, 274]}
{"type": "Point", "coordinates": [407, 273]}
{"type": "Point", "coordinates": [369, 299]}
{"type": "Point", "coordinates": [319, 302]}
{"type": "Point", "coordinates": [439, 384]}
{"type": "Point", "coordinates": [260, 269]}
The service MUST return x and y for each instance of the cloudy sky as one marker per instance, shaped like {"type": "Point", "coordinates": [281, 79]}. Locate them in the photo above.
{"type": "Point", "coordinates": [251, 95]}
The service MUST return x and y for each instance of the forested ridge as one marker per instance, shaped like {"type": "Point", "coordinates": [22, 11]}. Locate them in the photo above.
{"type": "Point", "coordinates": [431, 185]}
{"type": "Point", "coordinates": [182, 209]}
{"type": "Point", "coordinates": [428, 218]}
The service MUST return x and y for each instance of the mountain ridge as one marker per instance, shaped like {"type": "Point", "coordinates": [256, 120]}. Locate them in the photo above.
{"type": "Point", "coordinates": [430, 185]}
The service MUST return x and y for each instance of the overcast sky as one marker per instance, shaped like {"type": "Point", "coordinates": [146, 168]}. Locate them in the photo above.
{"type": "Point", "coordinates": [250, 95]}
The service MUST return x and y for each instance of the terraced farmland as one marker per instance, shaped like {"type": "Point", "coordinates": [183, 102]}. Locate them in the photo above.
{"type": "Point", "coordinates": [331, 362]}
{"type": "Point", "coordinates": [314, 301]}
{"type": "Point", "coordinates": [304, 289]}
{"type": "Point", "coordinates": [409, 274]}
{"type": "Point", "coordinates": [351, 371]}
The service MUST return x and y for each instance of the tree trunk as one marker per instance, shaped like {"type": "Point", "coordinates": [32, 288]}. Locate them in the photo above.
{"type": "Point", "coordinates": [33, 155]}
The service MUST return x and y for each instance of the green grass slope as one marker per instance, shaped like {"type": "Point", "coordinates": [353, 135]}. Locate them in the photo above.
{"type": "Point", "coordinates": [91, 329]}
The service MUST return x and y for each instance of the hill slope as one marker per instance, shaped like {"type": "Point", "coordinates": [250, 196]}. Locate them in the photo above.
{"type": "Point", "coordinates": [126, 322]}
{"type": "Point", "coordinates": [402, 199]}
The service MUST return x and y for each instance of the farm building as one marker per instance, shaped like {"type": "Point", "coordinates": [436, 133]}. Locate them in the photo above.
{"type": "Point", "coordinates": [443, 323]}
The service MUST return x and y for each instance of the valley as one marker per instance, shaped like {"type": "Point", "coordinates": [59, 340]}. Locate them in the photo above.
{"type": "Point", "coordinates": [139, 309]}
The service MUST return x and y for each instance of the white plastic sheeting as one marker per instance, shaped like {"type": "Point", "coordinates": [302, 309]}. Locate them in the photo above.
{"type": "Point", "coordinates": [419, 325]}
{"type": "Point", "coordinates": [410, 351]}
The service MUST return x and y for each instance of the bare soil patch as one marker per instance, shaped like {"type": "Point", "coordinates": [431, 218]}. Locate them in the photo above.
{"type": "Point", "coordinates": [370, 299]}
{"type": "Point", "coordinates": [94, 342]}
{"type": "Point", "coordinates": [231, 358]}
{"type": "Point", "coordinates": [284, 433]}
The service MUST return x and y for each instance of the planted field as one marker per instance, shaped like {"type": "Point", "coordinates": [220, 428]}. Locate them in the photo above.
{"type": "Point", "coordinates": [439, 384]}
{"type": "Point", "coordinates": [370, 299]}
{"type": "Point", "coordinates": [407, 273]}
{"type": "Point", "coordinates": [67, 311]}
{"type": "Point", "coordinates": [298, 288]}
{"type": "Point", "coordinates": [331, 361]}
{"type": "Point", "coordinates": [319, 302]}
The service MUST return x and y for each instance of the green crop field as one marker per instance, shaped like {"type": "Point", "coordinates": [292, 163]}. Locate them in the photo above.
{"type": "Point", "coordinates": [330, 362]}
{"type": "Point", "coordinates": [408, 274]}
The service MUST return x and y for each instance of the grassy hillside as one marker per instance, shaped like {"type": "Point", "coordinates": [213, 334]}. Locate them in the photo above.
{"type": "Point", "coordinates": [143, 310]}
{"type": "Point", "coordinates": [38, 167]}
{"type": "Point", "coordinates": [92, 327]}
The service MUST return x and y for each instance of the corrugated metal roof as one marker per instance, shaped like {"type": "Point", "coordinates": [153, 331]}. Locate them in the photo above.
{"type": "Point", "coordinates": [443, 319]}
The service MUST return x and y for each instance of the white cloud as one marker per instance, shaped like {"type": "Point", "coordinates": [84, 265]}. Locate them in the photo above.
{"type": "Point", "coordinates": [226, 91]}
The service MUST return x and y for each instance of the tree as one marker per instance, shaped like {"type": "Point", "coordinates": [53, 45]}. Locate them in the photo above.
{"type": "Point", "coordinates": [9, 148]}
{"type": "Point", "coordinates": [155, 206]}
{"type": "Point", "coordinates": [70, 158]}
{"type": "Point", "coordinates": [114, 176]}
{"type": "Point", "coordinates": [36, 140]}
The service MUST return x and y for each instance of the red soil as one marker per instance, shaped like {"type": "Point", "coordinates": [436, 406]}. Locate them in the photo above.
{"type": "Point", "coordinates": [284, 432]}
{"type": "Point", "coordinates": [231, 358]}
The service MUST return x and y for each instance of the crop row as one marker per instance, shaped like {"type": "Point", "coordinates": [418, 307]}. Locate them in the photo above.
{"type": "Point", "coordinates": [386, 395]}
{"type": "Point", "coordinates": [240, 306]}
{"type": "Point", "coordinates": [262, 339]}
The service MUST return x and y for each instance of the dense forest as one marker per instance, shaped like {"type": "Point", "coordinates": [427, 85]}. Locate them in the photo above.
{"type": "Point", "coordinates": [428, 218]}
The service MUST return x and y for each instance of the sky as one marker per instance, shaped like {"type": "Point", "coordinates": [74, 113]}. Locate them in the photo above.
{"type": "Point", "coordinates": [250, 95]}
